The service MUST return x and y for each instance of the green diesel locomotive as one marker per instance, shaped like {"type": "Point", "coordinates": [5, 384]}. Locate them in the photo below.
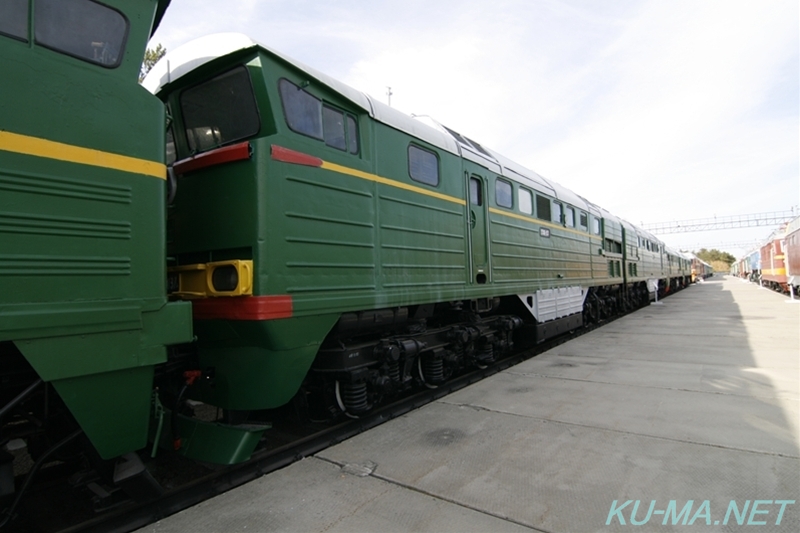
{"type": "Point", "coordinates": [337, 251]}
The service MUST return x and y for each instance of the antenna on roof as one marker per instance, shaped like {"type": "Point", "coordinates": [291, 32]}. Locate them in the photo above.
{"type": "Point", "coordinates": [389, 95]}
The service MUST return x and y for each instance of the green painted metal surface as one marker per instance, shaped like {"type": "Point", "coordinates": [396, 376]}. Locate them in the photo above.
{"type": "Point", "coordinates": [82, 235]}
{"type": "Point", "coordinates": [209, 442]}
{"type": "Point", "coordinates": [112, 408]}
{"type": "Point", "coordinates": [257, 364]}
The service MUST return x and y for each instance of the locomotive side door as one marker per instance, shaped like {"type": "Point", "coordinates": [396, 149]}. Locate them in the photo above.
{"type": "Point", "coordinates": [476, 228]}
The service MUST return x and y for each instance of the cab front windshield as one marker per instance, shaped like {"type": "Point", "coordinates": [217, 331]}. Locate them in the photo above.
{"type": "Point", "coordinates": [219, 111]}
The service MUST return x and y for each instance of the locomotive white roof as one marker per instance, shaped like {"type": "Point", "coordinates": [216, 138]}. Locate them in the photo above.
{"type": "Point", "coordinates": [193, 54]}
{"type": "Point", "coordinates": [198, 52]}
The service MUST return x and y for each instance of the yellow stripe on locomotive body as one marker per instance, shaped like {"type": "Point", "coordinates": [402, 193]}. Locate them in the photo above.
{"type": "Point", "coordinates": [541, 222]}
{"type": "Point", "coordinates": [386, 181]}
{"type": "Point", "coordinates": [460, 201]}
{"type": "Point", "coordinates": [36, 146]}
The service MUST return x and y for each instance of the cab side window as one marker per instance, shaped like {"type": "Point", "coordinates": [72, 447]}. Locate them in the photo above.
{"type": "Point", "coordinates": [306, 114]}
{"type": "Point", "coordinates": [333, 128]}
{"type": "Point", "coordinates": [303, 110]}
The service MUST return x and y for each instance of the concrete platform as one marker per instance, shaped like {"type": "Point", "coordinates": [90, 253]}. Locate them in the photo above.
{"type": "Point", "coordinates": [697, 398]}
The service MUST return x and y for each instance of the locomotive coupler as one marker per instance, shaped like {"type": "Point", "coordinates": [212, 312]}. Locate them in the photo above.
{"type": "Point", "coordinates": [189, 376]}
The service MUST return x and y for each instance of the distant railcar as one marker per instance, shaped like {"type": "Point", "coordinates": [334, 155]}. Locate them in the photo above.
{"type": "Point", "coordinates": [773, 265]}
{"type": "Point", "coordinates": [699, 268]}
{"type": "Point", "coordinates": [752, 265]}
{"type": "Point", "coordinates": [736, 269]}
{"type": "Point", "coordinates": [776, 263]}
{"type": "Point", "coordinates": [792, 256]}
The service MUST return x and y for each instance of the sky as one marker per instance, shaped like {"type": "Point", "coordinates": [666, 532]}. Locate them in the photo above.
{"type": "Point", "coordinates": [657, 110]}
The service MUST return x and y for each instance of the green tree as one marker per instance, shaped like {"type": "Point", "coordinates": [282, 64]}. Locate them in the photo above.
{"type": "Point", "coordinates": [715, 255]}
{"type": "Point", "coordinates": [151, 57]}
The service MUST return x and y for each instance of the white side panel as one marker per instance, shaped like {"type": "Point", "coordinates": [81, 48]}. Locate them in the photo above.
{"type": "Point", "coordinates": [550, 304]}
{"type": "Point", "coordinates": [652, 285]}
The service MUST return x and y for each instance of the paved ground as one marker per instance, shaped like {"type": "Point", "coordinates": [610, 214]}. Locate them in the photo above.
{"type": "Point", "coordinates": [680, 417]}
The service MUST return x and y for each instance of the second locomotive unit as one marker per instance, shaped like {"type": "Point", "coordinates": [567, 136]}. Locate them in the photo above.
{"type": "Point", "coordinates": [337, 251]}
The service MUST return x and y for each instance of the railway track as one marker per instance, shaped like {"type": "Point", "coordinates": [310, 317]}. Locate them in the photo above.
{"type": "Point", "coordinates": [128, 516]}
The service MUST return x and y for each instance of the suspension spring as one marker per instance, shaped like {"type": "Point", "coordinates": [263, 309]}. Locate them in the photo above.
{"type": "Point", "coordinates": [354, 397]}
{"type": "Point", "coordinates": [485, 354]}
{"type": "Point", "coordinates": [433, 369]}
{"type": "Point", "coordinates": [394, 371]}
